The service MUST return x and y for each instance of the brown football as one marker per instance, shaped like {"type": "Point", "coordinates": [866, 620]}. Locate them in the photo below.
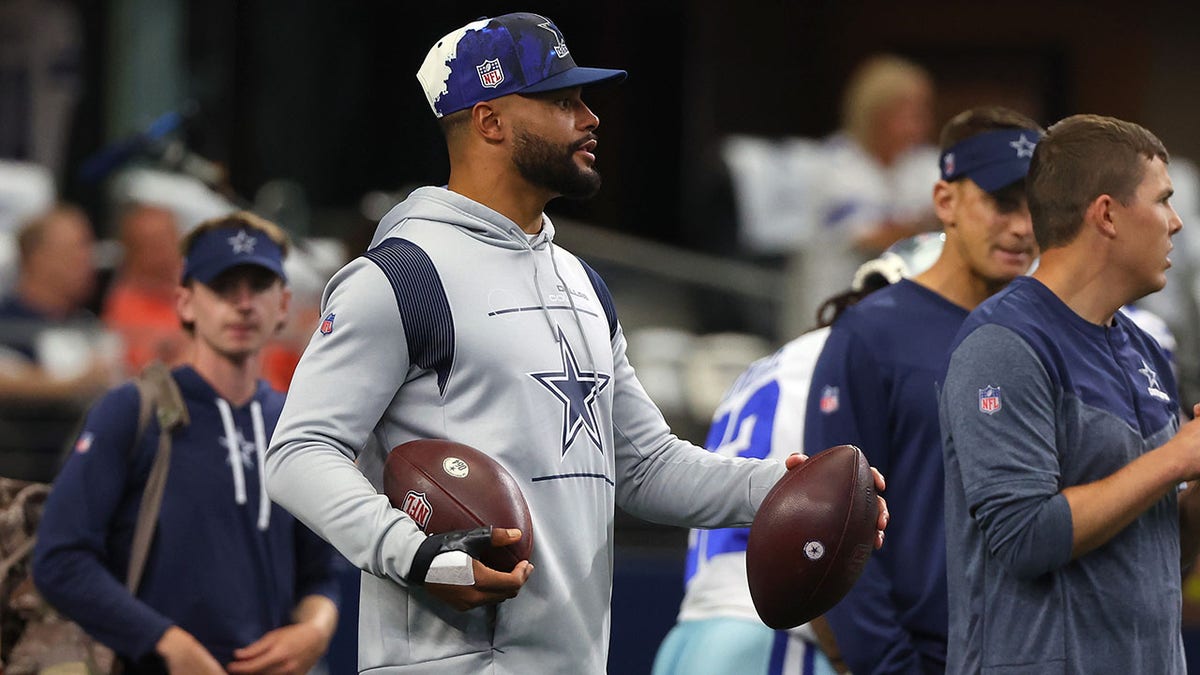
{"type": "Point", "coordinates": [445, 486]}
{"type": "Point", "coordinates": [811, 537]}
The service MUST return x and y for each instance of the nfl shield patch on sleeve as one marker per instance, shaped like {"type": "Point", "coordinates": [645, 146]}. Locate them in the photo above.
{"type": "Point", "coordinates": [989, 400]}
{"type": "Point", "coordinates": [829, 400]}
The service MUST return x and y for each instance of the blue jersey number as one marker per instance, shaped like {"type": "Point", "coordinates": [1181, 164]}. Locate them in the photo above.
{"type": "Point", "coordinates": [746, 435]}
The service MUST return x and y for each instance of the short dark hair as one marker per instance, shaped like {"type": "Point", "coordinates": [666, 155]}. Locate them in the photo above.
{"type": "Point", "coordinates": [982, 119]}
{"type": "Point", "coordinates": [1079, 159]}
{"type": "Point", "coordinates": [455, 123]}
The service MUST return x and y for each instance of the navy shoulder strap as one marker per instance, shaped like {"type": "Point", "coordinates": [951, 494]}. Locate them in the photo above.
{"type": "Point", "coordinates": [605, 297]}
{"type": "Point", "coordinates": [424, 308]}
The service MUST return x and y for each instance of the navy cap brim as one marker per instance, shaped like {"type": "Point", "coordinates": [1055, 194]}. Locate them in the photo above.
{"type": "Point", "coordinates": [205, 274]}
{"type": "Point", "coordinates": [576, 77]}
{"type": "Point", "coordinates": [1000, 175]}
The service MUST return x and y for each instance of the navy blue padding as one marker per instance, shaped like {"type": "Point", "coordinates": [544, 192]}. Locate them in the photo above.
{"type": "Point", "coordinates": [424, 309]}
{"type": "Point", "coordinates": [605, 297]}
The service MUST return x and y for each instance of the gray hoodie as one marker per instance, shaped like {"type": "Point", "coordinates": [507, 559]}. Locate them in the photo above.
{"type": "Point", "coordinates": [458, 325]}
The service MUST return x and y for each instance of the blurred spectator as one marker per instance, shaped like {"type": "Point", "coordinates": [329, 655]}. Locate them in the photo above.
{"type": "Point", "coordinates": [877, 190]}
{"type": "Point", "coordinates": [873, 187]}
{"type": "Point", "coordinates": [54, 355]}
{"type": "Point", "coordinates": [41, 52]}
{"type": "Point", "coordinates": [26, 190]}
{"type": "Point", "coordinates": [140, 304]}
{"type": "Point", "coordinates": [311, 263]}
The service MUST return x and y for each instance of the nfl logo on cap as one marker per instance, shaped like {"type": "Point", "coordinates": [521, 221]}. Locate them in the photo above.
{"type": "Point", "coordinates": [490, 73]}
{"type": "Point", "coordinates": [509, 54]}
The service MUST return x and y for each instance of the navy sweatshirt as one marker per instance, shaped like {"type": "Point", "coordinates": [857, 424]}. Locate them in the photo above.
{"type": "Point", "coordinates": [212, 569]}
{"type": "Point", "coordinates": [875, 386]}
{"type": "Point", "coordinates": [1037, 399]}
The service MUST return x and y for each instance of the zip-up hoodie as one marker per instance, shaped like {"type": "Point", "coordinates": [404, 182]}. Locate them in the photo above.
{"type": "Point", "coordinates": [458, 325]}
{"type": "Point", "coordinates": [222, 567]}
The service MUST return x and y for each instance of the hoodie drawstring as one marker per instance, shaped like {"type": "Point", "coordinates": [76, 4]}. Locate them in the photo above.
{"type": "Point", "coordinates": [538, 287]}
{"type": "Point", "coordinates": [235, 458]}
{"type": "Point", "coordinates": [260, 452]}
{"type": "Point", "coordinates": [574, 310]}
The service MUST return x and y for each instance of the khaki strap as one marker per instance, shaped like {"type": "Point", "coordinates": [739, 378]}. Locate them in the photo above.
{"type": "Point", "coordinates": [829, 644]}
{"type": "Point", "coordinates": [159, 392]}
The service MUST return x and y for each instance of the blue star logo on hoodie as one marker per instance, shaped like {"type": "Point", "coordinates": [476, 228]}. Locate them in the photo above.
{"type": "Point", "coordinates": [577, 390]}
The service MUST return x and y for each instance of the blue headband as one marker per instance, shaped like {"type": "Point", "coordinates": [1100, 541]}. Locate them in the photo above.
{"type": "Point", "coordinates": [993, 159]}
{"type": "Point", "coordinates": [218, 250]}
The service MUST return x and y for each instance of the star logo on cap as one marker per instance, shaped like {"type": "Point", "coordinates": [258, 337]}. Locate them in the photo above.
{"type": "Point", "coordinates": [242, 242]}
{"type": "Point", "coordinates": [560, 46]}
{"type": "Point", "coordinates": [1023, 146]}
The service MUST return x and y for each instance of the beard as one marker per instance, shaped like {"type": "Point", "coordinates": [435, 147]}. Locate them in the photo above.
{"type": "Point", "coordinates": [553, 167]}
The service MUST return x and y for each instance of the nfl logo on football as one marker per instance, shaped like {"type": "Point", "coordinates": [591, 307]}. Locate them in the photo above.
{"type": "Point", "coordinates": [989, 400]}
{"type": "Point", "coordinates": [417, 507]}
{"type": "Point", "coordinates": [490, 73]}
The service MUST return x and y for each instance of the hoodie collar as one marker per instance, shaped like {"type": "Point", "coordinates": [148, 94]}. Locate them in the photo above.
{"type": "Point", "coordinates": [193, 386]}
{"type": "Point", "coordinates": [476, 220]}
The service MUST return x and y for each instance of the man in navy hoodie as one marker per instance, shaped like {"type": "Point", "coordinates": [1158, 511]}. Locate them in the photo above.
{"type": "Point", "coordinates": [231, 580]}
{"type": "Point", "coordinates": [874, 386]}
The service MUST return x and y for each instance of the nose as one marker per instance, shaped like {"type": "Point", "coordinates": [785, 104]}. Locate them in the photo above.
{"type": "Point", "coordinates": [241, 294]}
{"type": "Point", "coordinates": [1019, 222]}
{"type": "Point", "coordinates": [1176, 222]}
{"type": "Point", "coordinates": [588, 120]}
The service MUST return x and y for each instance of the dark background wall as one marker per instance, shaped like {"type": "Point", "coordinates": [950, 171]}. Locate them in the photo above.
{"type": "Point", "coordinates": [324, 93]}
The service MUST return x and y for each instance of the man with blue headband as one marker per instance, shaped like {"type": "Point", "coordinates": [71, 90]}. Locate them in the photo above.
{"type": "Point", "coordinates": [230, 583]}
{"type": "Point", "coordinates": [875, 386]}
{"type": "Point", "coordinates": [1065, 522]}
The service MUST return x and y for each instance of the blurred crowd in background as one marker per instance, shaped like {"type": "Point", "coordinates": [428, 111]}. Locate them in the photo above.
{"type": "Point", "coordinates": [117, 137]}
{"type": "Point", "coordinates": [123, 124]}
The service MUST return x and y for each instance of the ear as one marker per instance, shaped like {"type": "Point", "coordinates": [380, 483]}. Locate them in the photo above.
{"type": "Point", "coordinates": [488, 122]}
{"type": "Point", "coordinates": [1101, 214]}
{"type": "Point", "coordinates": [945, 199]}
{"type": "Point", "coordinates": [285, 299]}
{"type": "Point", "coordinates": [183, 304]}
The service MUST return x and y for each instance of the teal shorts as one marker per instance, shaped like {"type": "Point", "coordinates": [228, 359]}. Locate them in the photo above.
{"type": "Point", "coordinates": [723, 646]}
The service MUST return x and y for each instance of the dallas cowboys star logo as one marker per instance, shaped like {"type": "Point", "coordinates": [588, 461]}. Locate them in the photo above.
{"type": "Point", "coordinates": [1023, 146]}
{"type": "Point", "coordinates": [577, 390]}
{"type": "Point", "coordinates": [1153, 386]}
{"type": "Point", "coordinates": [245, 449]}
{"type": "Point", "coordinates": [242, 242]}
{"type": "Point", "coordinates": [560, 47]}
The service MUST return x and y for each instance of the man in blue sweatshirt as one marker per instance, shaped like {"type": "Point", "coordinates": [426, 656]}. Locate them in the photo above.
{"type": "Point", "coordinates": [231, 581]}
{"type": "Point", "coordinates": [1065, 525]}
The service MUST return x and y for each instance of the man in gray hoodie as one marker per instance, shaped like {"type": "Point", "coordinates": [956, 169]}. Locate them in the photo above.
{"type": "Point", "coordinates": [465, 321]}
